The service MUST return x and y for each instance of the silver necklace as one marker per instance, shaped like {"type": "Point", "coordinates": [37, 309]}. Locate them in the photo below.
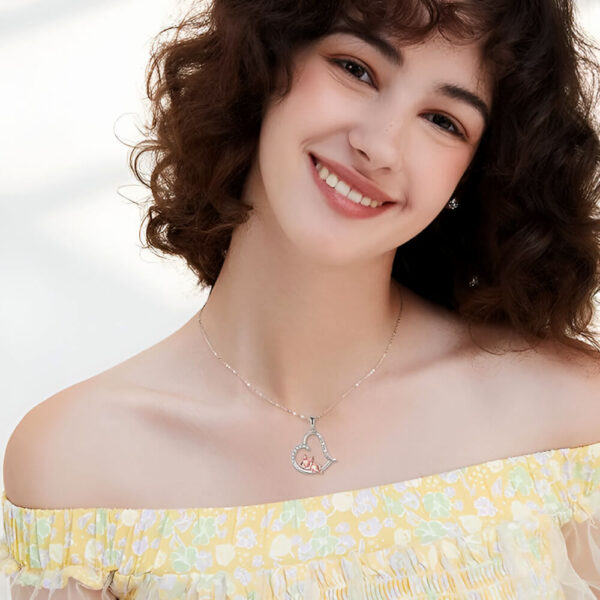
{"type": "Point", "coordinates": [306, 465]}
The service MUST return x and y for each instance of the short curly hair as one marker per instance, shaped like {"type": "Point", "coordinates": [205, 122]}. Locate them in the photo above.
{"type": "Point", "coordinates": [527, 229]}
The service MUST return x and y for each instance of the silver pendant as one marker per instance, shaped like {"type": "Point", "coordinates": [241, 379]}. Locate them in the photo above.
{"type": "Point", "coordinates": [308, 465]}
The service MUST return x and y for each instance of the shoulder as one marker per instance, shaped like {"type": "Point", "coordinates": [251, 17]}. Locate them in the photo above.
{"type": "Point", "coordinates": [55, 457]}
{"type": "Point", "coordinates": [570, 380]}
{"type": "Point", "coordinates": [551, 386]}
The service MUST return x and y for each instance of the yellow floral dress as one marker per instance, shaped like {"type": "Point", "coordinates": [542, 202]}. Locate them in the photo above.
{"type": "Point", "coordinates": [503, 529]}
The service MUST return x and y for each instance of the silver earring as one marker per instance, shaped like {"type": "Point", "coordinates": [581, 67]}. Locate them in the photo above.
{"type": "Point", "coordinates": [452, 204]}
{"type": "Point", "coordinates": [474, 281]}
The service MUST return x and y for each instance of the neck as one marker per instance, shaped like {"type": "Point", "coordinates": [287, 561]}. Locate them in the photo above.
{"type": "Point", "coordinates": [300, 332]}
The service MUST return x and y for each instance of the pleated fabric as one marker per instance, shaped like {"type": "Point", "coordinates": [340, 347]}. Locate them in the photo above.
{"type": "Point", "coordinates": [516, 528]}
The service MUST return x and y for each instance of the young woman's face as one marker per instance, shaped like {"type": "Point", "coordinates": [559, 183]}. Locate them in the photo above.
{"type": "Point", "coordinates": [406, 128]}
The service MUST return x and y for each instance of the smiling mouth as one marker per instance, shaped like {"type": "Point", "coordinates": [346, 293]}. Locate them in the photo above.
{"type": "Point", "coordinates": [348, 189]}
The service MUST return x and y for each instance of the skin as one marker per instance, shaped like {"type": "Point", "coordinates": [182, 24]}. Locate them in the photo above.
{"type": "Point", "coordinates": [303, 307]}
{"type": "Point", "coordinates": [299, 273]}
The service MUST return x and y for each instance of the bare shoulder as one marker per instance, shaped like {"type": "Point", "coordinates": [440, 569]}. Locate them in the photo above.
{"type": "Point", "coordinates": [558, 386]}
{"type": "Point", "coordinates": [91, 442]}
{"type": "Point", "coordinates": [53, 456]}
{"type": "Point", "coordinates": [571, 381]}
{"type": "Point", "coordinates": [46, 465]}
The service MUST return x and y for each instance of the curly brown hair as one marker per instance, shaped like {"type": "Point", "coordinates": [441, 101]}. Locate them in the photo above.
{"type": "Point", "coordinates": [527, 227]}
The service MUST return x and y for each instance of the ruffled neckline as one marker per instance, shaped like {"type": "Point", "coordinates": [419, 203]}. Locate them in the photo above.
{"type": "Point", "coordinates": [308, 501]}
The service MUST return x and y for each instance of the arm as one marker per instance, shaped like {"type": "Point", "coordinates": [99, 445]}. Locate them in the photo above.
{"type": "Point", "coordinates": [41, 471]}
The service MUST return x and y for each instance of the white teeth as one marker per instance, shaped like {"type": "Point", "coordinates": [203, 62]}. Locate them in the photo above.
{"type": "Point", "coordinates": [355, 196]}
{"type": "Point", "coordinates": [332, 180]}
{"type": "Point", "coordinates": [343, 188]}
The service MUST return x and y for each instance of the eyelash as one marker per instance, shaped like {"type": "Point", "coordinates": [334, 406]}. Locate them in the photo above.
{"type": "Point", "coordinates": [340, 63]}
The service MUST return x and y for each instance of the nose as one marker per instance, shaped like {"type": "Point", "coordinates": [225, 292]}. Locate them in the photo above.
{"type": "Point", "coordinates": [377, 139]}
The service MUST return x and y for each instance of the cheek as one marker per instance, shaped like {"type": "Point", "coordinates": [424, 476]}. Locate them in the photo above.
{"type": "Point", "coordinates": [437, 169]}
{"type": "Point", "coordinates": [312, 100]}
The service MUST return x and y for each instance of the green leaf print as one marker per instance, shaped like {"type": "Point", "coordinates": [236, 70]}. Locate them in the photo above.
{"type": "Point", "coordinates": [111, 557]}
{"type": "Point", "coordinates": [520, 479]}
{"type": "Point", "coordinates": [43, 528]}
{"type": "Point", "coordinates": [28, 578]}
{"type": "Point", "coordinates": [250, 596]}
{"type": "Point", "coordinates": [430, 531]}
{"type": "Point", "coordinates": [321, 532]}
{"type": "Point", "coordinates": [579, 471]}
{"type": "Point", "coordinates": [437, 505]}
{"type": "Point", "coordinates": [534, 546]}
{"type": "Point", "coordinates": [100, 521]}
{"type": "Point", "coordinates": [293, 509]}
{"type": "Point", "coordinates": [166, 527]}
{"type": "Point", "coordinates": [34, 556]}
{"type": "Point", "coordinates": [203, 530]}
{"type": "Point", "coordinates": [595, 478]}
{"type": "Point", "coordinates": [183, 558]}
{"type": "Point", "coordinates": [551, 503]}
{"type": "Point", "coordinates": [394, 507]}
{"type": "Point", "coordinates": [324, 545]}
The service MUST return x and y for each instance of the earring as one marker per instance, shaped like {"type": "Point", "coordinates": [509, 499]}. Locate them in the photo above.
{"type": "Point", "coordinates": [474, 281]}
{"type": "Point", "coordinates": [452, 204]}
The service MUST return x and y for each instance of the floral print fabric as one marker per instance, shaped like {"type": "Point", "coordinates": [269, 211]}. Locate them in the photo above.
{"type": "Point", "coordinates": [492, 530]}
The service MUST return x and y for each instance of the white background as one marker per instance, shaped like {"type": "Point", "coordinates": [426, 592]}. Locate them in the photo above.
{"type": "Point", "coordinates": [78, 294]}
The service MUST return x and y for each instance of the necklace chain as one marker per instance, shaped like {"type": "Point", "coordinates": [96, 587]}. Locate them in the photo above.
{"type": "Point", "coordinates": [293, 412]}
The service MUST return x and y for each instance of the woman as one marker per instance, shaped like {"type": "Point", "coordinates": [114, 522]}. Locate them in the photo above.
{"type": "Point", "coordinates": [392, 199]}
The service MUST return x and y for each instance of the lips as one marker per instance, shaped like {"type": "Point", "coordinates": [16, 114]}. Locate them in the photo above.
{"type": "Point", "coordinates": [342, 205]}
{"type": "Point", "coordinates": [355, 180]}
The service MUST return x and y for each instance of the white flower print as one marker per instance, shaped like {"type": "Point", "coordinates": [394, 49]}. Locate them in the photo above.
{"type": "Point", "coordinates": [242, 575]}
{"type": "Point", "coordinates": [345, 542]}
{"type": "Point", "coordinates": [140, 546]}
{"type": "Point", "coordinates": [257, 560]}
{"type": "Point", "coordinates": [495, 465]}
{"type": "Point", "coordinates": [365, 502]}
{"type": "Point", "coordinates": [451, 476]}
{"type": "Point", "coordinates": [246, 538]}
{"type": "Point", "coordinates": [343, 527]}
{"type": "Point", "coordinates": [183, 523]}
{"type": "Point", "coordinates": [277, 525]}
{"type": "Point", "coordinates": [484, 507]}
{"type": "Point", "coordinates": [315, 519]}
{"type": "Point", "coordinates": [306, 551]}
{"type": "Point", "coordinates": [267, 518]}
{"type": "Point", "coordinates": [204, 560]}
{"type": "Point", "coordinates": [411, 500]}
{"type": "Point", "coordinates": [370, 528]}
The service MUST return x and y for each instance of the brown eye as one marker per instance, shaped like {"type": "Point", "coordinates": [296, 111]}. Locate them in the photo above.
{"type": "Point", "coordinates": [443, 122]}
{"type": "Point", "coordinates": [354, 69]}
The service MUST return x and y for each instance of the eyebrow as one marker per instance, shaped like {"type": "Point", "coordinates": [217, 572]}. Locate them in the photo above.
{"type": "Point", "coordinates": [392, 54]}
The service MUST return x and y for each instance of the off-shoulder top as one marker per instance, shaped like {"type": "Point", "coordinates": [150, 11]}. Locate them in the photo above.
{"type": "Point", "coordinates": [502, 529]}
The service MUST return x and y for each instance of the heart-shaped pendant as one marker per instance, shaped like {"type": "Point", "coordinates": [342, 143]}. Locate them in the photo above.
{"type": "Point", "coordinates": [308, 465]}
